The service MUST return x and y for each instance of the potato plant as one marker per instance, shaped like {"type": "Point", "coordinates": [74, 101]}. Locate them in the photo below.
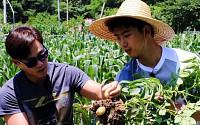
{"type": "Point", "coordinates": [143, 108]}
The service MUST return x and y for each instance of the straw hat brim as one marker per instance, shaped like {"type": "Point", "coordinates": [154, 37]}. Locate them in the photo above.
{"type": "Point", "coordinates": [162, 32]}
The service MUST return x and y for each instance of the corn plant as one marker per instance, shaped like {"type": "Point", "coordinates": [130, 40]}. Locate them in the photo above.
{"type": "Point", "coordinates": [7, 68]}
{"type": "Point", "coordinates": [186, 41]}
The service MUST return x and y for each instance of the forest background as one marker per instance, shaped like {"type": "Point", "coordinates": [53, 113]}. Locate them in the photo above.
{"type": "Point", "coordinates": [181, 15]}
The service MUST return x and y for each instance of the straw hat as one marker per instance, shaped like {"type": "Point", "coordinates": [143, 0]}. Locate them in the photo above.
{"type": "Point", "coordinates": [134, 9]}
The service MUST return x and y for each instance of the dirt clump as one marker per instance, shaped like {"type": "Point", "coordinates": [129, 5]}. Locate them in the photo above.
{"type": "Point", "coordinates": [113, 113]}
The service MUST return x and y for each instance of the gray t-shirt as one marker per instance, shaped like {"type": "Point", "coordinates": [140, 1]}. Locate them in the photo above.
{"type": "Point", "coordinates": [49, 104]}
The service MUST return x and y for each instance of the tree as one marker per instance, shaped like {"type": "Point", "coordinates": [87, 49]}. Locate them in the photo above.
{"type": "Point", "coordinates": [95, 7]}
{"type": "Point", "coordinates": [179, 14]}
{"type": "Point", "coordinates": [25, 8]}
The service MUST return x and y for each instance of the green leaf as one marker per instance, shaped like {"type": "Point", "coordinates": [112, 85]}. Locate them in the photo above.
{"type": "Point", "coordinates": [135, 91]}
{"type": "Point", "coordinates": [159, 120]}
{"type": "Point", "coordinates": [83, 112]}
{"type": "Point", "coordinates": [146, 92]}
{"type": "Point", "coordinates": [139, 84]}
{"type": "Point", "coordinates": [125, 82]}
{"type": "Point", "coordinates": [137, 81]}
{"type": "Point", "coordinates": [132, 113]}
{"type": "Point", "coordinates": [188, 112]}
{"type": "Point", "coordinates": [189, 60]}
{"type": "Point", "coordinates": [179, 81]}
{"type": "Point", "coordinates": [125, 89]}
{"type": "Point", "coordinates": [162, 112]}
{"type": "Point", "coordinates": [198, 103]}
{"type": "Point", "coordinates": [167, 104]}
{"type": "Point", "coordinates": [188, 121]}
{"type": "Point", "coordinates": [191, 121]}
{"type": "Point", "coordinates": [177, 119]}
{"type": "Point", "coordinates": [91, 72]}
{"type": "Point", "coordinates": [191, 105]}
{"type": "Point", "coordinates": [184, 74]}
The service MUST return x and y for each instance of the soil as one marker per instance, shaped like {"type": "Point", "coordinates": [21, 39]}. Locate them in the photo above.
{"type": "Point", "coordinates": [114, 111]}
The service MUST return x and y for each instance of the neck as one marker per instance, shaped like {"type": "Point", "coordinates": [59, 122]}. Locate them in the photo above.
{"type": "Point", "coordinates": [36, 80]}
{"type": "Point", "coordinates": [151, 56]}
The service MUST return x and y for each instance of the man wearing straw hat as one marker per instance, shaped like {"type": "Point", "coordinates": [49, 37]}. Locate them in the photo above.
{"type": "Point", "coordinates": [141, 37]}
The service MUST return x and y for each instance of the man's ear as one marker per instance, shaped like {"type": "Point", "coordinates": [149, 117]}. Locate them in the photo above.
{"type": "Point", "coordinates": [16, 63]}
{"type": "Point", "coordinates": [147, 30]}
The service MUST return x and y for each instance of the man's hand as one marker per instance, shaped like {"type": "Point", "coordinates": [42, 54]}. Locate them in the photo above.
{"type": "Point", "coordinates": [173, 106]}
{"type": "Point", "coordinates": [159, 98]}
{"type": "Point", "coordinates": [111, 90]}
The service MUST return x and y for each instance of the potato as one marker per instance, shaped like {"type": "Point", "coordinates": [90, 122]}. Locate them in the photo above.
{"type": "Point", "coordinates": [106, 94]}
{"type": "Point", "coordinates": [101, 111]}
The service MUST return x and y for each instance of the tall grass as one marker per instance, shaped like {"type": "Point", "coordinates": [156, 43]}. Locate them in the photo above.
{"type": "Point", "coordinates": [186, 41]}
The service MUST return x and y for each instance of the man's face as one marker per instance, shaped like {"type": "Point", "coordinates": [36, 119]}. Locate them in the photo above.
{"type": "Point", "coordinates": [130, 39]}
{"type": "Point", "coordinates": [40, 69]}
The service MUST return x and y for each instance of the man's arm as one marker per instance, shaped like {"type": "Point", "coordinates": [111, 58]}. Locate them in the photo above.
{"type": "Point", "coordinates": [95, 91]}
{"type": "Point", "coordinates": [16, 119]}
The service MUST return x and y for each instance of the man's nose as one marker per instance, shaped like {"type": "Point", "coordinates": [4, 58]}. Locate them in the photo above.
{"type": "Point", "coordinates": [124, 42]}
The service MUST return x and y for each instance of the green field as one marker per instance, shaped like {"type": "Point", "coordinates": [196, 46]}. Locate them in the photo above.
{"type": "Point", "coordinates": [102, 60]}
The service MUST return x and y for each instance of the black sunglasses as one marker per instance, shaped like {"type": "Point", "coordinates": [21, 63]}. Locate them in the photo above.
{"type": "Point", "coordinates": [33, 61]}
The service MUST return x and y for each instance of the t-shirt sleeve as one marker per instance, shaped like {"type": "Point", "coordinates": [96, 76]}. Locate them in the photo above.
{"type": "Point", "coordinates": [79, 78]}
{"type": "Point", "coordinates": [8, 101]}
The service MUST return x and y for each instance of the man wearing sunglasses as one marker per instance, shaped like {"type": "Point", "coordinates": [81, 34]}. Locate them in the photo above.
{"type": "Point", "coordinates": [32, 62]}
{"type": "Point", "coordinates": [42, 92]}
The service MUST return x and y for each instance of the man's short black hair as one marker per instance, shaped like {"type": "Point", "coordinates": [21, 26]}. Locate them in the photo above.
{"type": "Point", "coordinates": [117, 22]}
{"type": "Point", "coordinates": [19, 40]}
